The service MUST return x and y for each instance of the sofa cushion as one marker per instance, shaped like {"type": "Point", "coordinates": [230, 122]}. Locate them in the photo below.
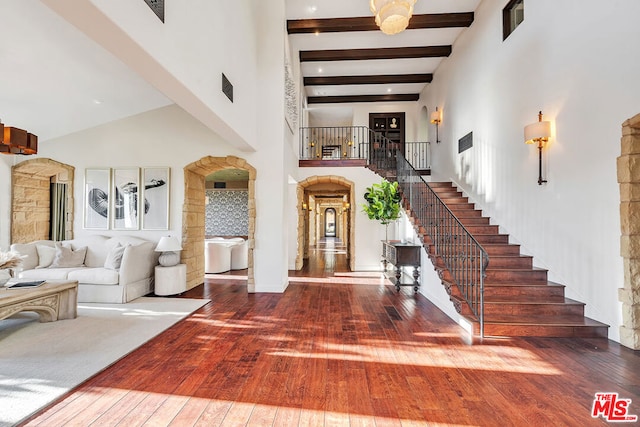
{"type": "Point", "coordinates": [97, 249]}
{"type": "Point", "coordinates": [95, 276]}
{"type": "Point", "coordinates": [114, 258]}
{"type": "Point", "coordinates": [30, 253]}
{"type": "Point", "coordinates": [66, 257]}
{"type": "Point", "coordinates": [46, 255]}
{"type": "Point", "coordinates": [138, 262]}
{"type": "Point", "coordinates": [46, 273]}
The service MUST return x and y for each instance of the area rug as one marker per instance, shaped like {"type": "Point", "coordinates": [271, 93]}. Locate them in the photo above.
{"type": "Point", "coordinates": [39, 362]}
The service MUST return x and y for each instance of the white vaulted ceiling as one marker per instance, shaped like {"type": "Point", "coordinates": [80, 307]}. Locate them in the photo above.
{"type": "Point", "coordinates": [55, 80]}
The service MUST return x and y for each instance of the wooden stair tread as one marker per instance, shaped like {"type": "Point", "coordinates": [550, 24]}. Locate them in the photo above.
{"type": "Point", "coordinates": [514, 268]}
{"type": "Point", "coordinates": [533, 301]}
{"type": "Point", "coordinates": [521, 285]}
{"type": "Point", "coordinates": [574, 321]}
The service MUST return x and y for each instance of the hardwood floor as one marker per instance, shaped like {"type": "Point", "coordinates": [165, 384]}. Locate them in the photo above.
{"type": "Point", "coordinates": [344, 349]}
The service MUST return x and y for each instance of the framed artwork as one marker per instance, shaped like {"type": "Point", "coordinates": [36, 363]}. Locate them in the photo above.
{"type": "Point", "coordinates": [155, 198]}
{"type": "Point", "coordinates": [125, 202]}
{"type": "Point", "coordinates": [96, 198]}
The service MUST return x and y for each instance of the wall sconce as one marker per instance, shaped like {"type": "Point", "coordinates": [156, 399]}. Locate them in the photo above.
{"type": "Point", "coordinates": [304, 206]}
{"type": "Point", "coordinates": [436, 118]}
{"type": "Point", "coordinates": [346, 206]}
{"type": "Point", "coordinates": [17, 141]}
{"type": "Point", "coordinates": [538, 132]}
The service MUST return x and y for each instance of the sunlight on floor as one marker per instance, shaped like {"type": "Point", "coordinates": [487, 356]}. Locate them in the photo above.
{"type": "Point", "coordinates": [224, 276]}
{"type": "Point", "coordinates": [233, 413]}
{"type": "Point", "coordinates": [128, 311]}
{"type": "Point", "coordinates": [494, 358]}
{"type": "Point", "coordinates": [381, 280]}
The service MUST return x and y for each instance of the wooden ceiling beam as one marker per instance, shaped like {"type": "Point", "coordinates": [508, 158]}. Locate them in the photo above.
{"type": "Point", "coordinates": [362, 98]}
{"type": "Point", "coordinates": [376, 53]}
{"type": "Point", "coordinates": [368, 80]}
{"type": "Point", "coordinates": [367, 23]}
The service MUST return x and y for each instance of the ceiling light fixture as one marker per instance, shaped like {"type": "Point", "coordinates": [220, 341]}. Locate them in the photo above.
{"type": "Point", "coordinates": [392, 16]}
{"type": "Point", "coordinates": [17, 141]}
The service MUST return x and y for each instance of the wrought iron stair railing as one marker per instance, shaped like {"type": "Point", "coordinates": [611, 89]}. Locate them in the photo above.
{"type": "Point", "coordinates": [462, 255]}
{"type": "Point", "coordinates": [358, 142]}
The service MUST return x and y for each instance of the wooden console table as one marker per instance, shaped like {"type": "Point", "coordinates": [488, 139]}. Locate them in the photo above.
{"type": "Point", "coordinates": [54, 300]}
{"type": "Point", "coordinates": [402, 254]}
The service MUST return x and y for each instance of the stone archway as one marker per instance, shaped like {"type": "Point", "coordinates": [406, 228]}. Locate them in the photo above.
{"type": "Point", "coordinates": [30, 198]}
{"type": "Point", "coordinates": [300, 192]}
{"type": "Point", "coordinates": [193, 214]}
{"type": "Point", "coordinates": [629, 180]}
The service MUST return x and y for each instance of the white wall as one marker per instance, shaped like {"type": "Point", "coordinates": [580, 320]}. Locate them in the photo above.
{"type": "Point", "coordinates": [5, 200]}
{"type": "Point", "coordinates": [185, 56]}
{"type": "Point", "coordinates": [167, 137]}
{"type": "Point", "coordinates": [270, 253]}
{"type": "Point", "coordinates": [580, 69]}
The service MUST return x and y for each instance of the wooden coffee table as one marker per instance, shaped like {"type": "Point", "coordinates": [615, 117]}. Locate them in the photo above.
{"type": "Point", "coordinates": [53, 300]}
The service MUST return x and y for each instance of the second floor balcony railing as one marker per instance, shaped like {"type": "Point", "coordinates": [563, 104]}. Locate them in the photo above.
{"type": "Point", "coordinates": [358, 142]}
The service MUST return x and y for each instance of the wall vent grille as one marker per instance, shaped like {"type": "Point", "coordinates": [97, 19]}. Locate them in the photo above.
{"type": "Point", "coordinates": [465, 142]}
{"type": "Point", "coordinates": [157, 6]}
{"type": "Point", "coordinates": [227, 87]}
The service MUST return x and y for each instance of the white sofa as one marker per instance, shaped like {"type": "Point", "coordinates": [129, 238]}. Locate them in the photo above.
{"type": "Point", "coordinates": [101, 278]}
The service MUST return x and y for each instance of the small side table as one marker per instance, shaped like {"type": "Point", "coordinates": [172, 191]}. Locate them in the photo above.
{"type": "Point", "coordinates": [171, 280]}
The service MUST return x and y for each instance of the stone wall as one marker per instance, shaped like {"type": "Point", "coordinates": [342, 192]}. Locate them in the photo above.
{"type": "Point", "coordinates": [629, 180]}
{"type": "Point", "coordinates": [31, 181]}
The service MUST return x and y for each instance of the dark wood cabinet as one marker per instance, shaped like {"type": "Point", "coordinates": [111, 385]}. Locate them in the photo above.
{"type": "Point", "coordinates": [399, 255]}
{"type": "Point", "coordinates": [390, 126]}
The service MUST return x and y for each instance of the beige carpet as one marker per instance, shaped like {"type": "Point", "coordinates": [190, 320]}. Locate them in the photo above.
{"type": "Point", "coordinates": [39, 362]}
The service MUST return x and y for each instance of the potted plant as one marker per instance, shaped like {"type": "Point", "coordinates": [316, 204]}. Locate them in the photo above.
{"type": "Point", "coordinates": [383, 203]}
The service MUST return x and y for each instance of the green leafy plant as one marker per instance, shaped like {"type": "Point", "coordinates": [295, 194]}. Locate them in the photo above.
{"type": "Point", "coordinates": [383, 202]}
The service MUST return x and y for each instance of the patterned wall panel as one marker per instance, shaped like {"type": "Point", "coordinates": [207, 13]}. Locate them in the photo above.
{"type": "Point", "coordinates": [227, 213]}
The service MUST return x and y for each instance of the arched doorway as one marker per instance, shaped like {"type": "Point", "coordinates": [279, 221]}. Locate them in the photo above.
{"type": "Point", "coordinates": [336, 192]}
{"type": "Point", "coordinates": [193, 214]}
{"type": "Point", "coordinates": [31, 198]}
{"type": "Point", "coordinates": [423, 124]}
{"type": "Point", "coordinates": [330, 222]}
{"type": "Point", "coordinates": [629, 180]}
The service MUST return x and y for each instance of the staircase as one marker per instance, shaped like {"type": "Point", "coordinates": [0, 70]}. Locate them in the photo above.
{"type": "Point", "coordinates": [507, 296]}
{"type": "Point", "coordinates": [518, 298]}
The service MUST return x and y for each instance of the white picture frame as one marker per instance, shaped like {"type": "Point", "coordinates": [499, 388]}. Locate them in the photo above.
{"type": "Point", "coordinates": [154, 204]}
{"type": "Point", "coordinates": [97, 189]}
{"type": "Point", "coordinates": [125, 200]}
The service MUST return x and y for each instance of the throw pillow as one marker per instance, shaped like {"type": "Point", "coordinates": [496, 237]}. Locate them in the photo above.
{"type": "Point", "coordinates": [114, 258]}
{"type": "Point", "coordinates": [67, 257]}
{"type": "Point", "coordinates": [46, 254]}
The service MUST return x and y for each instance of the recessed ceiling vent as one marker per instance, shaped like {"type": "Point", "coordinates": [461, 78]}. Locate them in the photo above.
{"type": "Point", "coordinates": [157, 6]}
{"type": "Point", "coordinates": [227, 87]}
